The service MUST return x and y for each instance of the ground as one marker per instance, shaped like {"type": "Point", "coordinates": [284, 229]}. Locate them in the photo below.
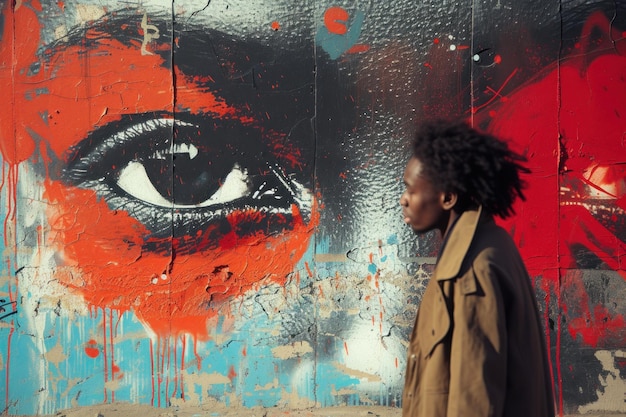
{"type": "Point", "coordinates": [125, 410]}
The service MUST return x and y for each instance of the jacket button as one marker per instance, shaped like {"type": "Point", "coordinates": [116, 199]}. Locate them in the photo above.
{"type": "Point", "coordinates": [433, 332]}
{"type": "Point", "coordinates": [413, 356]}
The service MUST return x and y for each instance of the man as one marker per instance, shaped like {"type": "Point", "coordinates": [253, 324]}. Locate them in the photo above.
{"type": "Point", "coordinates": [477, 347]}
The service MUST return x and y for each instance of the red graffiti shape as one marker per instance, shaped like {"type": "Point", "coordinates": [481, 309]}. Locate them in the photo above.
{"type": "Point", "coordinates": [569, 123]}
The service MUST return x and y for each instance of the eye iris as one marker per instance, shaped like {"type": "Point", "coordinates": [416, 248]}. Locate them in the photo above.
{"type": "Point", "coordinates": [184, 179]}
{"type": "Point", "coordinates": [197, 179]}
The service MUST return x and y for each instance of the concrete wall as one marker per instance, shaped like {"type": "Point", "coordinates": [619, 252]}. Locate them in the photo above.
{"type": "Point", "coordinates": [200, 198]}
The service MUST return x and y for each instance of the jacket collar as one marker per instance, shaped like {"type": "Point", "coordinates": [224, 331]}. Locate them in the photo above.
{"type": "Point", "coordinates": [457, 244]}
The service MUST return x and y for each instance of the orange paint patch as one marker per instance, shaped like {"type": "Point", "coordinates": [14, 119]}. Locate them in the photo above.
{"type": "Point", "coordinates": [74, 89]}
{"type": "Point", "coordinates": [105, 263]}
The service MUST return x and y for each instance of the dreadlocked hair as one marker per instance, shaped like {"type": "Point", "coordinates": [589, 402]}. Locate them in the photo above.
{"type": "Point", "coordinates": [478, 167]}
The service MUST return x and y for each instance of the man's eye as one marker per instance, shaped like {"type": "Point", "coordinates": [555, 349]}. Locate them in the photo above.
{"type": "Point", "coordinates": [162, 190]}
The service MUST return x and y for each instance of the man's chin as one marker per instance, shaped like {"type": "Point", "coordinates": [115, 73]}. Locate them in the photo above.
{"type": "Point", "coordinates": [417, 230]}
{"type": "Point", "coordinates": [420, 230]}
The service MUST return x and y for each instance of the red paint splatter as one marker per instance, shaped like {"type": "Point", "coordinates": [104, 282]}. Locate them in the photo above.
{"type": "Point", "coordinates": [92, 349]}
{"type": "Point", "coordinates": [594, 325]}
{"type": "Point", "coordinates": [335, 19]}
{"type": "Point", "coordinates": [231, 373]}
{"type": "Point", "coordinates": [495, 93]}
{"type": "Point", "coordinates": [355, 49]}
{"type": "Point", "coordinates": [321, 291]}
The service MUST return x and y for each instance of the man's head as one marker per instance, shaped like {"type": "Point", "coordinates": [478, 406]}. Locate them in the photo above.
{"type": "Point", "coordinates": [425, 207]}
{"type": "Point", "coordinates": [455, 167]}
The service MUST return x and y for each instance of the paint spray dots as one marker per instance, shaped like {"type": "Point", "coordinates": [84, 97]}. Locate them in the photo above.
{"type": "Point", "coordinates": [486, 58]}
{"type": "Point", "coordinates": [155, 279]}
{"type": "Point", "coordinates": [450, 43]}
{"type": "Point", "coordinates": [452, 46]}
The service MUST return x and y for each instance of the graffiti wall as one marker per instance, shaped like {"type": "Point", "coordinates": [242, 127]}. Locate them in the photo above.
{"type": "Point", "coordinates": [199, 199]}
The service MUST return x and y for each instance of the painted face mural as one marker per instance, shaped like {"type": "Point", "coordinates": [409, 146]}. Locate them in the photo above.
{"type": "Point", "coordinates": [200, 197]}
{"type": "Point", "coordinates": [171, 163]}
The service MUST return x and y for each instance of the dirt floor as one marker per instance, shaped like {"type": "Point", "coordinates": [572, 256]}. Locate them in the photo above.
{"type": "Point", "coordinates": [126, 410]}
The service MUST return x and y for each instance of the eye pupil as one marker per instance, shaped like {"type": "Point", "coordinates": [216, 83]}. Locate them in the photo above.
{"type": "Point", "coordinates": [188, 181]}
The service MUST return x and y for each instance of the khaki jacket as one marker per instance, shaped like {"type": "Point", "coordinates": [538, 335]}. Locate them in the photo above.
{"type": "Point", "coordinates": [477, 347]}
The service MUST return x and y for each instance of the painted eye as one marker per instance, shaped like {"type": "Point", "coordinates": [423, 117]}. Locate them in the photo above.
{"type": "Point", "coordinates": [134, 180]}
{"type": "Point", "coordinates": [178, 177]}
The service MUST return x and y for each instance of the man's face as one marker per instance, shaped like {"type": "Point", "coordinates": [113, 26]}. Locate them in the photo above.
{"type": "Point", "coordinates": [422, 203]}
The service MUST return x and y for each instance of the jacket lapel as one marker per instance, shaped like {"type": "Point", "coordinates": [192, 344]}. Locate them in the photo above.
{"type": "Point", "coordinates": [457, 245]}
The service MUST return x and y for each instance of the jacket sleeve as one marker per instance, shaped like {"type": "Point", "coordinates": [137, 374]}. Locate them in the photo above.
{"type": "Point", "coordinates": [478, 357]}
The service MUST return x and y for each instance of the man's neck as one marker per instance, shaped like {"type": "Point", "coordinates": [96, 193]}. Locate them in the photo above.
{"type": "Point", "coordinates": [452, 218]}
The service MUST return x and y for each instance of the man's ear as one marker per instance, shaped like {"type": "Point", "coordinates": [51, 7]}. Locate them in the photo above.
{"type": "Point", "coordinates": [448, 200]}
